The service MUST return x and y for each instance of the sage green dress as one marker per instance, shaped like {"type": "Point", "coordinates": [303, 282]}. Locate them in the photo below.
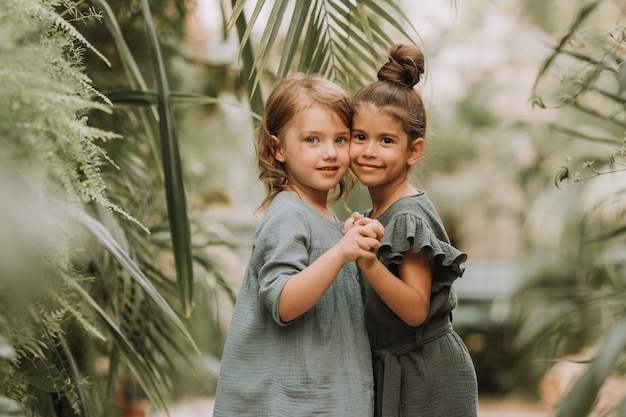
{"type": "Point", "coordinates": [317, 365]}
{"type": "Point", "coordinates": [424, 371]}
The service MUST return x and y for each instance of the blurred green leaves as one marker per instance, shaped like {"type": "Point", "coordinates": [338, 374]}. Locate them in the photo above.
{"type": "Point", "coordinates": [343, 40]}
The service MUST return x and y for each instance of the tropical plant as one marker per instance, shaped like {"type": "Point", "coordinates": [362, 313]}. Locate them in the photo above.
{"type": "Point", "coordinates": [73, 296]}
{"type": "Point", "coordinates": [575, 297]}
{"type": "Point", "coordinates": [341, 40]}
{"type": "Point", "coordinates": [97, 255]}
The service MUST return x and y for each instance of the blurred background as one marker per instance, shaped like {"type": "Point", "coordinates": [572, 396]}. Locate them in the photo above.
{"type": "Point", "coordinates": [129, 186]}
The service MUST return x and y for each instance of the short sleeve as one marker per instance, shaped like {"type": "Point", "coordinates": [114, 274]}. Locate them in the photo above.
{"type": "Point", "coordinates": [408, 232]}
{"type": "Point", "coordinates": [283, 242]}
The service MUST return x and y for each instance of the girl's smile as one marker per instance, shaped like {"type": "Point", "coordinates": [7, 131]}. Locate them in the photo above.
{"type": "Point", "coordinates": [379, 148]}
{"type": "Point", "coordinates": [316, 151]}
{"type": "Point", "coordinates": [367, 167]}
{"type": "Point", "coordinates": [330, 170]}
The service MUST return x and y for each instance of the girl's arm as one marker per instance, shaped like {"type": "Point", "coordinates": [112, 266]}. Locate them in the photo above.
{"type": "Point", "coordinates": [303, 290]}
{"type": "Point", "coordinates": [409, 296]}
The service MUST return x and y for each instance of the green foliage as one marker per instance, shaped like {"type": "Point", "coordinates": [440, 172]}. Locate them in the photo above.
{"type": "Point", "coordinates": [574, 297]}
{"type": "Point", "coordinates": [45, 91]}
{"type": "Point", "coordinates": [57, 323]}
{"type": "Point", "coordinates": [341, 40]}
{"type": "Point", "coordinates": [584, 77]}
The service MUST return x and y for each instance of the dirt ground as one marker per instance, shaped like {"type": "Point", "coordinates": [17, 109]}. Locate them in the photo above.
{"type": "Point", "coordinates": [487, 408]}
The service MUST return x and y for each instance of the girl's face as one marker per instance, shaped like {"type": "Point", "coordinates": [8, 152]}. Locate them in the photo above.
{"type": "Point", "coordinates": [316, 152]}
{"type": "Point", "coordinates": [379, 148]}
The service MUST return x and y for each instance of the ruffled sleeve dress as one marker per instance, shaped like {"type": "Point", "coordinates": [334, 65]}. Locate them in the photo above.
{"type": "Point", "coordinates": [424, 371]}
{"type": "Point", "coordinates": [319, 364]}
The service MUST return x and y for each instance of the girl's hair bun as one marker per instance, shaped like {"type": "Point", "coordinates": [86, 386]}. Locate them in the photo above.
{"type": "Point", "coordinates": [405, 66]}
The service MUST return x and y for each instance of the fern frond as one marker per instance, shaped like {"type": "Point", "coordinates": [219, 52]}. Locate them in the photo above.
{"type": "Point", "coordinates": [72, 310]}
{"type": "Point", "coordinates": [62, 24]}
{"type": "Point", "coordinates": [86, 82]}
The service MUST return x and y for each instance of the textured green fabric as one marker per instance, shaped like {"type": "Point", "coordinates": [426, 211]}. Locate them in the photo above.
{"type": "Point", "coordinates": [319, 364]}
{"type": "Point", "coordinates": [424, 371]}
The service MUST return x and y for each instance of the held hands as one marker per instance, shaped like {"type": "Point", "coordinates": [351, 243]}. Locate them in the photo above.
{"type": "Point", "coordinates": [350, 221]}
{"type": "Point", "coordinates": [362, 237]}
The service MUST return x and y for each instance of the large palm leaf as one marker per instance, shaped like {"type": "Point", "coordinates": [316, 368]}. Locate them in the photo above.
{"type": "Point", "coordinates": [343, 40]}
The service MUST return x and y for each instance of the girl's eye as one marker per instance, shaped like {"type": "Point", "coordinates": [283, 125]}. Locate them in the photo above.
{"type": "Point", "coordinates": [359, 137]}
{"type": "Point", "coordinates": [340, 140]}
{"type": "Point", "coordinates": [310, 139]}
{"type": "Point", "coordinates": [387, 140]}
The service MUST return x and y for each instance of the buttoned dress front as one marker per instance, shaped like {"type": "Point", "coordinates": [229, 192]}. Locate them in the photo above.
{"type": "Point", "coordinates": [425, 371]}
{"type": "Point", "coordinates": [320, 363]}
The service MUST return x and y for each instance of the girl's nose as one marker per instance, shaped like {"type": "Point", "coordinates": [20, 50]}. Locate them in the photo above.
{"type": "Point", "coordinates": [370, 149]}
{"type": "Point", "coordinates": [330, 150]}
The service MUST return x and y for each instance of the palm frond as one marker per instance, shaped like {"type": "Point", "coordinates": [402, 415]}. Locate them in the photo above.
{"type": "Point", "coordinates": [104, 237]}
{"type": "Point", "coordinates": [137, 98]}
{"type": "Point", "coordinates": [173, 173]}
{"type": "Point", "coordinates": [142, 371]}
{"type": "Point", "coordinates": [238, 18]}
{"type": "Point", "coordinates": [339, 39]}
{"type": "Point", "coordinates": [135, 79]}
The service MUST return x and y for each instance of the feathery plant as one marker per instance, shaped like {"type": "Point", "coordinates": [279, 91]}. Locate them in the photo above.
{"type": "Point", "coordinates": [57, 317]}
{"type": "Point", "coordinates": [577, 300]}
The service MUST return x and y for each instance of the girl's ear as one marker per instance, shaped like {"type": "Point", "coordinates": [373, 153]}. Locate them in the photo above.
{"type": "Point", "coordinates": [415, 151]}
{"type": "Point", "coordinates": [278, 149]}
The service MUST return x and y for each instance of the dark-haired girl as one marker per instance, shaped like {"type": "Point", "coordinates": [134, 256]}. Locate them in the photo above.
{"type": "Point", "coordinates": [421, 366]}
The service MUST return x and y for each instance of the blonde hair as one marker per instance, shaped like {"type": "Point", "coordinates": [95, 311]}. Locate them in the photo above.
{"type": "Point", "coordinates": [291, 95]}
{"type": "Point", "coordinates": [394, 94]}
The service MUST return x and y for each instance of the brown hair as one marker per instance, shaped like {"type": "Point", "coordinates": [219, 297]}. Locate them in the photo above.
{"type": "Point", "coordinates": [291, 95]}
{"type": "Point", "coordinates": [394, 94]}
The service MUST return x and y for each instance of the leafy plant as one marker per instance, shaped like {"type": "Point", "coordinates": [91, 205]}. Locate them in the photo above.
{"type": "Point", "coordinates": [576, 297]}
{"type": "Point", "coordinates": [57, 314]}
{"type": "Point", "coordinates": [341, 40]}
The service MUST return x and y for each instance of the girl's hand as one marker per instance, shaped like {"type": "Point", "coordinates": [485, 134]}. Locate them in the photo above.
{"type": "Point", "coordinates": [350, 221]}
{"type": "Point", "coordinates": [357, 219]}
{"type": "Point", "coordinates": [361, 240]}
{"type": "Point", "coordinates": [370, 227]}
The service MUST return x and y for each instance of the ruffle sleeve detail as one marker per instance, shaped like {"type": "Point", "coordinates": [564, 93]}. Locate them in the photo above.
{"type": "Point", "coordinates": [408, 232]}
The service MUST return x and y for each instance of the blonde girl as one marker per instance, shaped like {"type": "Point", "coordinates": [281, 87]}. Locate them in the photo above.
{"type": "Point", "coordinates": [297, 344]}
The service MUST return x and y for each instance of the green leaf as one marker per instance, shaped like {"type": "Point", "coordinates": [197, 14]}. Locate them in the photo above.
{"type": "Point", "coordinates": [83, 393]}
{"type": "Point", "coordinates": [378, 9]}
{"type": "Point", "coordinates": [310, 43]}
{"type": "Point", "coordinates": [247, 56]}
{"type": "Point", "coordinates": [131, 97]}
{"type": "Point", "coordinates": [268, 38]}
{"type": "Point", "coordinates": [342, 40]}
{"type": "Point", "coordinates": [580, 398]}
{"type": "Point", "coordinates": [135, 79]}
{"type": "Point", "coordinates": [292, 39]}
{"type": "Point", "coordinates": [173, 173]}
{"type": "Point", "coordinates": [103, 236]}
{"type": "Point", "coordinates": [135, 361]}
{"type": "Point", "coordinates": [238, 6]}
